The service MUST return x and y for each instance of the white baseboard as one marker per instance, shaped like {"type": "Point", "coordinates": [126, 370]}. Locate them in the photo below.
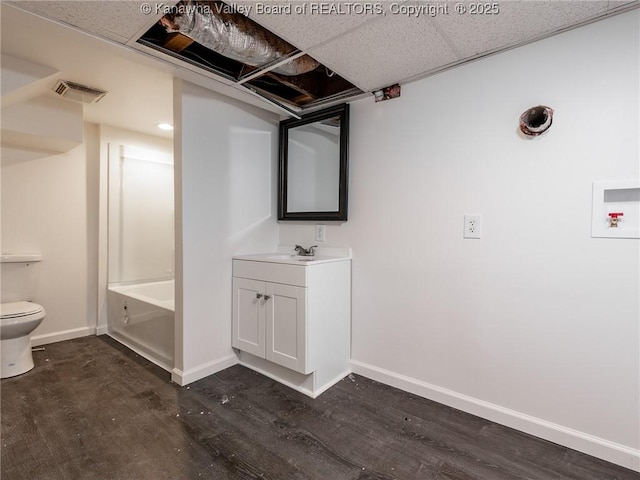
{"type": "Point", "coordinates": [162, 362]}
{"type": "Point", "coordinates": [294, 385]}
{"type": "Point", "coordinates": [203, 370]}
{"type": "Point", "coordinates": [303, 383]}
{"type": "Point", "coordinates": [583, 442]}
{"type": "Point", "coordinates": [47, 338]}
{"type": "Point", "coordinates": [323, 388]}
{"type": "Point", "coordinates": [102, 330]}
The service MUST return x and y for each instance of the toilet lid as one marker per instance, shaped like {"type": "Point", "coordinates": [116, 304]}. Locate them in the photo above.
{"type": "Point", "coordinates": [19, 309]}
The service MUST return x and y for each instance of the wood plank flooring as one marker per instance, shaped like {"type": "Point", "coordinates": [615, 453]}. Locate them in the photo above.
{"type": "Point", "coordinates": [92, 409]}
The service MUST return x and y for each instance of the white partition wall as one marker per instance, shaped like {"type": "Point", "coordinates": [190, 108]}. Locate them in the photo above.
{"type": "Point", "coordinates": [226, 162]}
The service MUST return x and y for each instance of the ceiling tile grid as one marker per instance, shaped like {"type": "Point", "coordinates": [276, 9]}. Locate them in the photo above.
{"type": "Point", "coordinates": [307, 24]}
{"type": "Point", "coordinates": [372, 44]}
{"type": "Point", "coordinates": [116, 20]}
{"type": "Point", "coordinates": [516, 22]}
{"type": "Point", "coordinates": [384, 52]}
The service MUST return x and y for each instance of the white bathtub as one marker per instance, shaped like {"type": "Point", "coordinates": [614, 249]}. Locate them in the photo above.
{"type": "Point", "coordinates": [141, 316]}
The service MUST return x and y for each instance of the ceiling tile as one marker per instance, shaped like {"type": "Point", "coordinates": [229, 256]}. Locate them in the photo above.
{"type": "Point", "coordinates": [384, 52]}
{"type": "Point", "coordinates": [613, 4]}
{"type": "Point", "coordinates": [114, 19]}
{"type": "Point", "coordinates": [308, 23]}
{"type": "Point", "coordinates": [515, 23]}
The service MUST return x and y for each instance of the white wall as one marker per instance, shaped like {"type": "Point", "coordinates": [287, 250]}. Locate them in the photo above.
{"type": "Point", "coordinates": [226, 161]}
{"type": "Point", "coordinates": [45, 209]}
{"type": "Point", "coordinates": [535, 325]}
{"type": "Point", "coordinates": [141, 214]}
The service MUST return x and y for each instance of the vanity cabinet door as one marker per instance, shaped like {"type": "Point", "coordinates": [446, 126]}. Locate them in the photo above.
{"type": "Point", "coordinates": [286, 326]}
{"type": "Point", "coordinates": [249, 316]}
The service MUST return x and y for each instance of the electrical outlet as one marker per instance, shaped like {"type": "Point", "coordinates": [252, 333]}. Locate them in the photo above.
{"type": "Point", "coordinates": [472, 225]}
{"type": "Point", "coordinates": [320, 233]}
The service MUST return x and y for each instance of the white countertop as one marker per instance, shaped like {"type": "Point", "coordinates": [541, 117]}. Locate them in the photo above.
{"type": "Point", "coordinates": [286, 255]}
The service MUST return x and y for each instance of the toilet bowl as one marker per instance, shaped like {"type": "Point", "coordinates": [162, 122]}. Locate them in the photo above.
{"type": "Point", "coordinates": [17, 321]}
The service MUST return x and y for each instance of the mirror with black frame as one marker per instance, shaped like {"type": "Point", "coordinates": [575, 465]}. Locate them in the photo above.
{"type": "Point", "coordinates": [313, 168]}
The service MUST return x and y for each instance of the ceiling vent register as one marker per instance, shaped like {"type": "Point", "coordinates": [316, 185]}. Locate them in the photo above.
{"type": "Point", "coordinates": [77, 92]}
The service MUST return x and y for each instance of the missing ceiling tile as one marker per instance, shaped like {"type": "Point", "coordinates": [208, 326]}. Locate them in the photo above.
{"type": "Point", "coordinates": [218, 38]}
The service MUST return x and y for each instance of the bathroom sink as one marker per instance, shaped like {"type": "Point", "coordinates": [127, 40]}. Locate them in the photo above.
{"type": "Point", "coordinates": [299, 258]}
{"type": "Point", "coordinates": [294, 259]}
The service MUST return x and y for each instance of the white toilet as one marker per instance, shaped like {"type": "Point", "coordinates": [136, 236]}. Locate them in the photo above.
{"type": "Point", "coordinates": [19, 317]}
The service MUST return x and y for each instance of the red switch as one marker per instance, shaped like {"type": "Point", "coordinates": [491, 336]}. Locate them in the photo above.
{"type": "Point", "coordinates": [613, 219]}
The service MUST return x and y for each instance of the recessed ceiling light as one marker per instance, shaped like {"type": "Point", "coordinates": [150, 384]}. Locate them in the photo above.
{"type": "Point", "coordinates": [164, 126]}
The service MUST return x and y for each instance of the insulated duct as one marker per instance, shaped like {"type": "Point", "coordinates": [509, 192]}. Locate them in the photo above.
{"type": "Point", "coordinates": [219, 27]}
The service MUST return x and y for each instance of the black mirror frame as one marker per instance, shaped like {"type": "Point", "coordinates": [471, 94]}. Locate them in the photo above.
{"type": "Point", "coordinates": [285, 125]}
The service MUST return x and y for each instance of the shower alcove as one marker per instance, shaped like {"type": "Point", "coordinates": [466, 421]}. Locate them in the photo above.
{"type": "Point", "coordinates": [140, 283]}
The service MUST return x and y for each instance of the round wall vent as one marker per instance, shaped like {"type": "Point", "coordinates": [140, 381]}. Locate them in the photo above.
{"type": "Point", "coordinates": [536, 120]}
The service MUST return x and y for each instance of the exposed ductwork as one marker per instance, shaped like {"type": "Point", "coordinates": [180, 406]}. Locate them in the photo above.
{"type": "Point", "coordinates": [218, 27]}
{"type": "Point", "coordinates": [219, 38]}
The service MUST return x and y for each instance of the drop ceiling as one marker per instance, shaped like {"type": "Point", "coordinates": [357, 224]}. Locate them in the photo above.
{"type": "Point", "coordinates": [369, 49]}
{"type": "Point", "coordinates": [214, 36]}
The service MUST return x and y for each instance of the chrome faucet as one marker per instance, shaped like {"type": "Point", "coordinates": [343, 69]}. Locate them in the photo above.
{"type": "Point", "coordinates": [306, 252]}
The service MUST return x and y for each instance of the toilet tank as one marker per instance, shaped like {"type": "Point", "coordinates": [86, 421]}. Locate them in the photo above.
{"type": "Point", "coordinates": [19, 276]}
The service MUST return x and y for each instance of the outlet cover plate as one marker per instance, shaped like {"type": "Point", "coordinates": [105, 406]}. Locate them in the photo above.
{"type": "Point", "coordinates": [472, 225]}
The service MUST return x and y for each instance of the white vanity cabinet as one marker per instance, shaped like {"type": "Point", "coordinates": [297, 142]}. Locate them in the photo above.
{"type": "Point", "coordinates": [270, 322]}
{"type": "Point", "coordinates": [292, 318]}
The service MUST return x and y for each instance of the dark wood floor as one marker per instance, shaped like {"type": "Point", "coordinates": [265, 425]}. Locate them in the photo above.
{"type": "Point", "coordinates": [92, 409]}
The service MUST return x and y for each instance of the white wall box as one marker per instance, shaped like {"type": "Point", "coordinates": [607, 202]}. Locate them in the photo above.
{"type": "Point", "coordinates": [616, 209]}
{"type": "Point", "coordinates": [292, 318]}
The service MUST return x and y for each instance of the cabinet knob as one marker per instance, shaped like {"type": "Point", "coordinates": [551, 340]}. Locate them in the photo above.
{"type": "Point", "coordinates": [258, 295]}
{"type": "Point", "coordinates": [267, 297]}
